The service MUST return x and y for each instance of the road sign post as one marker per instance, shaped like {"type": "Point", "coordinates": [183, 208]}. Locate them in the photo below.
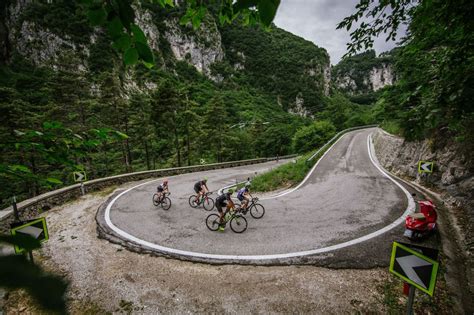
{"type": "Point", "coordinates": [15, 209]}
{"type": "Point", "coordinates": [411, 299]}
{"type": "Point", "coordinates": [80, 176]}
{"type": "Point", "coordinates": [417, 266]}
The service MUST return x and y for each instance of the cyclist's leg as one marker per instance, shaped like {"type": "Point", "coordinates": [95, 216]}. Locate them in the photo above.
{"type": "Point", "coordinates": [246, 202]}
{"type": "Point", "coordinates": [197, 191]}
{"type": "Point", "coordinates": [221, 215]}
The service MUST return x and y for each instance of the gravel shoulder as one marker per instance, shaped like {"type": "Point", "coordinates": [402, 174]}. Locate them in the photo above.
{"type": "Point", "coordinates": [108, 278]}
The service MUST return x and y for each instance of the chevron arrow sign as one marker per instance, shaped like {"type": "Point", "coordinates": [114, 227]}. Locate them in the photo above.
{"type": "Point", "coordinates": [425, 167]}
{"type": "Point", "coordinates": [413, 267]}
{"type": "Point", "coordinates": [35, 228]}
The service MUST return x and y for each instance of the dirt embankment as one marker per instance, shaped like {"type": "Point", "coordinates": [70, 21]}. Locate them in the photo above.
{"type": "Point", "coordinates": [107, 278]}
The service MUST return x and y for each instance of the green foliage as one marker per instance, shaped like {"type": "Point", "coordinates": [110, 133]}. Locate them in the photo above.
{"type": "Point", "coordinates": [286, 175]}
{"type": "Point", "coordinates": [386, 16]}
{"type": "Point", "coordinates": [314, 135]}
{"type": "Point", "coordinates": [433, 96]}
{"type": "Point", "coordinates": [284, 66]}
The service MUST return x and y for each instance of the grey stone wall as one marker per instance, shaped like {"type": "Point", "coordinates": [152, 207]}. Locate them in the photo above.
{"type": "Point", "coordinates": [452, 178]}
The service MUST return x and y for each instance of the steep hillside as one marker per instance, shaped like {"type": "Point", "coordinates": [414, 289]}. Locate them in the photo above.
{"type": "Point", "coordinates": [362, 75]}
{"type": "Point", "coordinates": [294, 71]}
{"type": "Point", "coordinates": [60, 77]}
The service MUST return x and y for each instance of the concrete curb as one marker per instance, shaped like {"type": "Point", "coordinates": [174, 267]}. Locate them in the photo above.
{"type": "Point", "coordinates": [108, 230]}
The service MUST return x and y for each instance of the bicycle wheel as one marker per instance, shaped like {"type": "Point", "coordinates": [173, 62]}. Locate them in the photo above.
{"type": "Point", "coordinates": [257, 211]}
{"type": "Point", "coordinates": [166, 203]}
{"type": "Point", "coordinates": [208, 203]}
{"type": "Point", "coordinates": [192, 201]}
{"type": "Point", "coordinates": [238, 224]}
{"type": "Point", "coordinates": [212, 222]}
{"type": "Point", "coordinates": [156, 200]}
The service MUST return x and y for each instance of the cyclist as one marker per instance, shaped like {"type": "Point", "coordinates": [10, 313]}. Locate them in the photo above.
{"type": "Point", "coordinates": [224, 200]}
{"type": "Point", "coordinates": [244, 196]}
{"type": "Point", "coordinates": [200, 188]}
{"type": "Point", "coordinates": [162, 188]}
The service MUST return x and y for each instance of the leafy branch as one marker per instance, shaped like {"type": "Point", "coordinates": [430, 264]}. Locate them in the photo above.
{"type": "Point", "coordinates": [387, 16]}
{"type": "Point", "coordinates": [118, 17]}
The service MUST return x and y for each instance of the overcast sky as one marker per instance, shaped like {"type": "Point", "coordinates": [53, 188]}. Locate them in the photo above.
{"type": "Point", "coordinates": [316, 20]}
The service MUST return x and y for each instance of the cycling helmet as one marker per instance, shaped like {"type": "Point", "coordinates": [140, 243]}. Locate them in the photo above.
{"type": "Point", "coordinates": [204, 179]}
{"type": "Point", "coordinates": [165, 181]}
{"type": "Point", "coordinates": [230, 191]}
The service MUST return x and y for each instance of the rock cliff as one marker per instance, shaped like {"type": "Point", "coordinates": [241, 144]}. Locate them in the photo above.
{"type": "Point", "coordinates": [452, 179]}
{"type": "Point", "coordinates": [294, 71]}
{"type": "Point", "coordinates": [364, 73]}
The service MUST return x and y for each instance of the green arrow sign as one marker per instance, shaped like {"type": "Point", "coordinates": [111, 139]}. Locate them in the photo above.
{"type": "Point", "coordinates": [425, 167]}
{"type": "Point", "coordinates": [80, 176]}
{"type": "Point", "coordinates": [36, 228]}
{"type": "Point", "coordinates": [414, 267]}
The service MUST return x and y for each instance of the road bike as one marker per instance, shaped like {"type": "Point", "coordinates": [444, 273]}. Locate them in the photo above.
{"type": "Point", "coordinates": [237, 222]}
{"type": "Point", "coordinates": [256, 210]}
{"type": "Point", "coordinates": [206, 201]}
{"type": "Point", "coordinates": [165, 201]}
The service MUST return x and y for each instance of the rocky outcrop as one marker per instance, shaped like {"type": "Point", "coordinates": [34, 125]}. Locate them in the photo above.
{"type": "Point", "coordinates": [143, 18]}
{"type": "Point", "coordinates": [364, 73]}
{"type": "Point", "coordinates": [452, 179]}
{"type": "Point", "coordinates": [327, 78]}
{"type": "Point", "coordinates": [452, 176]}
{"type": "Point", "coordinates": [200, 49]}
{"type": "Point", "coordinates": [324, 73]}
{"type": "Point", "coordinates": [381, 76]}
{"type": "Point", "coordinates": [298, 108]}
{"type": "Point", "coordinates": [360, 82]}
{"type": "Point", "coordinates": [44, 47]}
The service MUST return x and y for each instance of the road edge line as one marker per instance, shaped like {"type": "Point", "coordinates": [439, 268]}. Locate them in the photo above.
{"type": "Point", "coordinates": [223, 258]}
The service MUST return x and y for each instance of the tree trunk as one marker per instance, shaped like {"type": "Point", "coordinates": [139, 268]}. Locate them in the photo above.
{"type": "Point", "coordinates": [187, 132]}
{"type": "Point", "coordinates": [176, 137]}
{"type": "Point", "coordinates": [35, 187]}
{"type": "Point", "coordinates": [147, 155]}
{"type": "Point", "coordinates": [106, 160]}
{"type": "Point", "coordinates": [127, 147]}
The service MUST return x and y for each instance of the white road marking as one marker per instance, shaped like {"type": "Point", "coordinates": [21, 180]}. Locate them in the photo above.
{"type": "Point", "coordinates": [286, 192]}
{"type": "Point", "coordinates": [167, 250]}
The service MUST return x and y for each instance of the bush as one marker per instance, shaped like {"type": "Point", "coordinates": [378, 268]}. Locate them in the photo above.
{"type": "Point", "coordinates": [313, 136]}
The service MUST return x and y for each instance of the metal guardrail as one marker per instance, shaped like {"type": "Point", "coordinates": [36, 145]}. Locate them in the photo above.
{"type": "Point", "coordinates": [74, 191]}
{"type": "Point", "coordinates": [340, 133]}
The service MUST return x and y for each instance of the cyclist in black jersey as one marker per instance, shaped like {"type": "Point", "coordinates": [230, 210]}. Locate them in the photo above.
{"type": "Point", "coordinates": [224, 200]}
{"type": "Point", "coordinates": [201, 188]}
{"type": "Point", "coordinates": [162, 188]}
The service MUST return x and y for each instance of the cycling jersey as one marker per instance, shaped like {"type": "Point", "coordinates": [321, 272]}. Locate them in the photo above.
{"type": "Point", "coordinates": [198, 186]}
{"type": "Point", "coordinates": [162, 187]}
{"type": "Point", "coordinates": [221, 200]}
{"type": "Point", "coordinates": [241, 192]}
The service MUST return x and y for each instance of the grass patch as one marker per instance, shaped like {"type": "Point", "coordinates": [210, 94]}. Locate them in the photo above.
{"type": "Point", "coordinates": [106, 191]}
{"type": "Point", "coordinates": [395, 301]}
{"type": "Point", "coordinates": [391, 126]}
{"type": "Point", "coordinates": [284, 176]}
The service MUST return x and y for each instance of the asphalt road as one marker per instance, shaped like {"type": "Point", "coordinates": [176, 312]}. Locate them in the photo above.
{"type": "Point", "coordinates": [345, 198]}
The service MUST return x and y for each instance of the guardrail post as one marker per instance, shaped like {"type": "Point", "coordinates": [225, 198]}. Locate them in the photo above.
{"type": "Point", "coordinates": [15, 209]}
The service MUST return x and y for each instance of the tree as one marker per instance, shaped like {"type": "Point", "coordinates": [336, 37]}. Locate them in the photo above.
{"type": "Point", "coordinates": [118, 17]}
{"type": "Point", "coordinates": [313, 136]}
